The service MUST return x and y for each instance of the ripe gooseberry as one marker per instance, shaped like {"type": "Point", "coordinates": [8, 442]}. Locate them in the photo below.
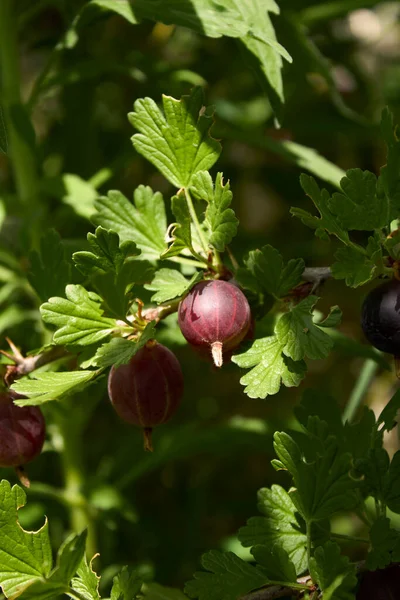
{"type": "Point", "coordinates": [380, 319]}
{"type": "Point", "coordinates": [215, 315]}
{"type": "Point", "coordinates": [147, 390]}
{"type": "Point", "coordinates": [22, 433]}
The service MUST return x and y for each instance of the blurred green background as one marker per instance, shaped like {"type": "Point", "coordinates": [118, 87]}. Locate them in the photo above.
{"type": "Point", "coordinates": [162, 511]}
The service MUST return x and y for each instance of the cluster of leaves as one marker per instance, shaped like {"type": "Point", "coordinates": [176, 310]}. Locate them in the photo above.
{"type": "Point", "coordinates": [249, 22]}
{"type": "Point", "coordinates": [334, 467]}
{"type": "Point", "coordinates": [133, 242]}
{"type": "Point", "coordinates": [365, 203]}
{"type": "Point", "coordinates": [27, 570]}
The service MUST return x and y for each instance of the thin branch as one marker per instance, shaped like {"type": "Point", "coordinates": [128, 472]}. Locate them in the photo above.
{"type": "Point", "coordinates": [160, 312]}
{"type": "Point", "coordinates": [25, 365]}
{"type": "Point", "coordinates": [316, 275]}
{"type": "Point", "coordinates": [270, 593]}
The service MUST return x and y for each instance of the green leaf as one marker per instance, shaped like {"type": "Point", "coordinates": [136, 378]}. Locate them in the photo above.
{"type": "Point", "coordinates": [49, 271]}
{"type": "Point", "coordinates": [327, 222]}
{"type": "Point", "coordinates": [169, 284]}
{"type": "Point", "coordinates": [322, 485]}
{"type": "Point", "coordinates": [120, 7]}
{"type": "Point", "coordinates": [388, 418]}
{"type": "Point", "coordinates": [143, 222]}
{"type": "Point", "coordinates": [87, 581]}
{"type": "Point", "coordinates": [358, 265]}
{"type": "Point", "coordinates": [333, 573]}
{"type": "Point", "coordinates": [79, 318]}
{"type": "Point", "coordinates": [107, 256]}
{"type": "Point", "coordinates": [269, 368]}
{"type": "Point", "coordinates": [392, 484]}
{"type": "Point", "coordinates": [69, 558]}
{"type": "Point", "coordinates": [272, 276]}
{"type": "Point", "coordinates": [203, 16]}
{"type": "Point", "coordinates": [48, 386]}
{"type": "Point", "coordinates": [177, 142]}
{"type": "Point", "coordinates": [299, 335]}
{"type": "Point", "coordinates": [373, 468]}
{"type": "Point", "coordinates": [3, 133]}
{"type": "Point", "coordinates": [181, 231]}
{"type": "Point", "coordinates": [279, 525]}
{"type": "Point", "coordinates": [390, 173]}
{"type": "Point", "coordinates": [333, 319]}
{"type": "Point", "coordinates": [154, 591]}
{"type": "Point", "coordinates": [126, 585]}
{"type": "Point", "coordinates": [229, 577]}
{"type": "Point", "coordinates": [220, 220]}
{"type": "Point", "coordinates": [359, 207]}
{"type": "Point", "coordinates": [120, 350]}
{"type": "Point", "coordinates": [385, 543]}
{"type": "Point", "coordinates": [25, 556]}
{"type": "Point", "coordinates": [79, 194]}
{"type": "Point", "coordinates": [262, 47]}
{"type": "Point", "coordinates": [116, 289]}
{"type": "Point", "coordinates": [275, 562]}
{"type": "Point", "coordinates": [316, 404]}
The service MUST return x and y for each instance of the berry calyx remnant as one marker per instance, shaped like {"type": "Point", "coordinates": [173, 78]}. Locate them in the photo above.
{"type": "Point", "coordinates": [147, 391]}
{"type": "Point", "coordinates": [22, 433]}
{"type": "Point", "coordinates": [215, 315]}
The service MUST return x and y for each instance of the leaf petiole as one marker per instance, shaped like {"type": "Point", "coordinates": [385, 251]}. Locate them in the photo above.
{"type": "Point", "coordinates": [195, 220]}
{"type": "Point", "coordinates": [200, 264]}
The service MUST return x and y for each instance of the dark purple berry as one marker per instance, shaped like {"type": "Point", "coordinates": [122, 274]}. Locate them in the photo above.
{"type": "Point", "coordinates": [215, 315]}
{"type": "Point", "coordinates": [22, 432]}
{"type": "Point", "coordinates": [381, 317]}
{"type": "Point", "coordinates": [383, 584]}
{"type": "Point", "coordinates": [147, 390]}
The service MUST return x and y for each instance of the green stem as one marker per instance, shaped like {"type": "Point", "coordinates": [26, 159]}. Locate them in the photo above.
{"type": "Point", "coordinates": [195, 220]}
{"type": "Point", "coordinates": [74, 479]}
{"type": "Point", "coordinates": [360, 389]}
{"type": "Point", "coordinates": [188, 261]}
{"type": "Point", "coordinates": [349, 538]}
{"type": "Point", "coordinates": [76, 595]}
{"type": "Point", "coordinates": [308, 533]}
{"type": "Point", "coordinates": [48, 491]}
{"type": "Point", "coordinates": [23, 159]}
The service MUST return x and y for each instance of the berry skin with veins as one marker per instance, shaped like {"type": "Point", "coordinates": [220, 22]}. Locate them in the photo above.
{"type": "Point", "coordinates": [22, 432]}
{"type": "Point", "coordinates": [147, 391]}
{"type": "Point", "coordinates": [215, 315]}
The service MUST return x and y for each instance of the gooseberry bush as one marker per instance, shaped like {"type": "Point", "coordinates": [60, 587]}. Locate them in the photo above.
{"type": "Point", "coordinates": [157, 268]}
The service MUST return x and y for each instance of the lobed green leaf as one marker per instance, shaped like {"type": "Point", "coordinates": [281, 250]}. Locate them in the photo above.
{"type": "Point", "coordinates": [177, 141]}
{"type": "Point", "coordinates": [79, 318]}
{"type": "Point", "coordinates": [170, 284]}
{"type": "Point", "coordinates": [143, 222]}
{"type": "Point", "coordinates": [48, 386]}
{"type": "Point", "coordinates": [228, 577]}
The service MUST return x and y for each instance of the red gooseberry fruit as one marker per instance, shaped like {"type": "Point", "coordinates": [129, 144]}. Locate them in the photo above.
{"type": "Point", "coordinates": [22, 433]}
{"type": "Point", "coordinates": [147, 390]}
{"type": "Point", "coordinates": [215, 315]}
